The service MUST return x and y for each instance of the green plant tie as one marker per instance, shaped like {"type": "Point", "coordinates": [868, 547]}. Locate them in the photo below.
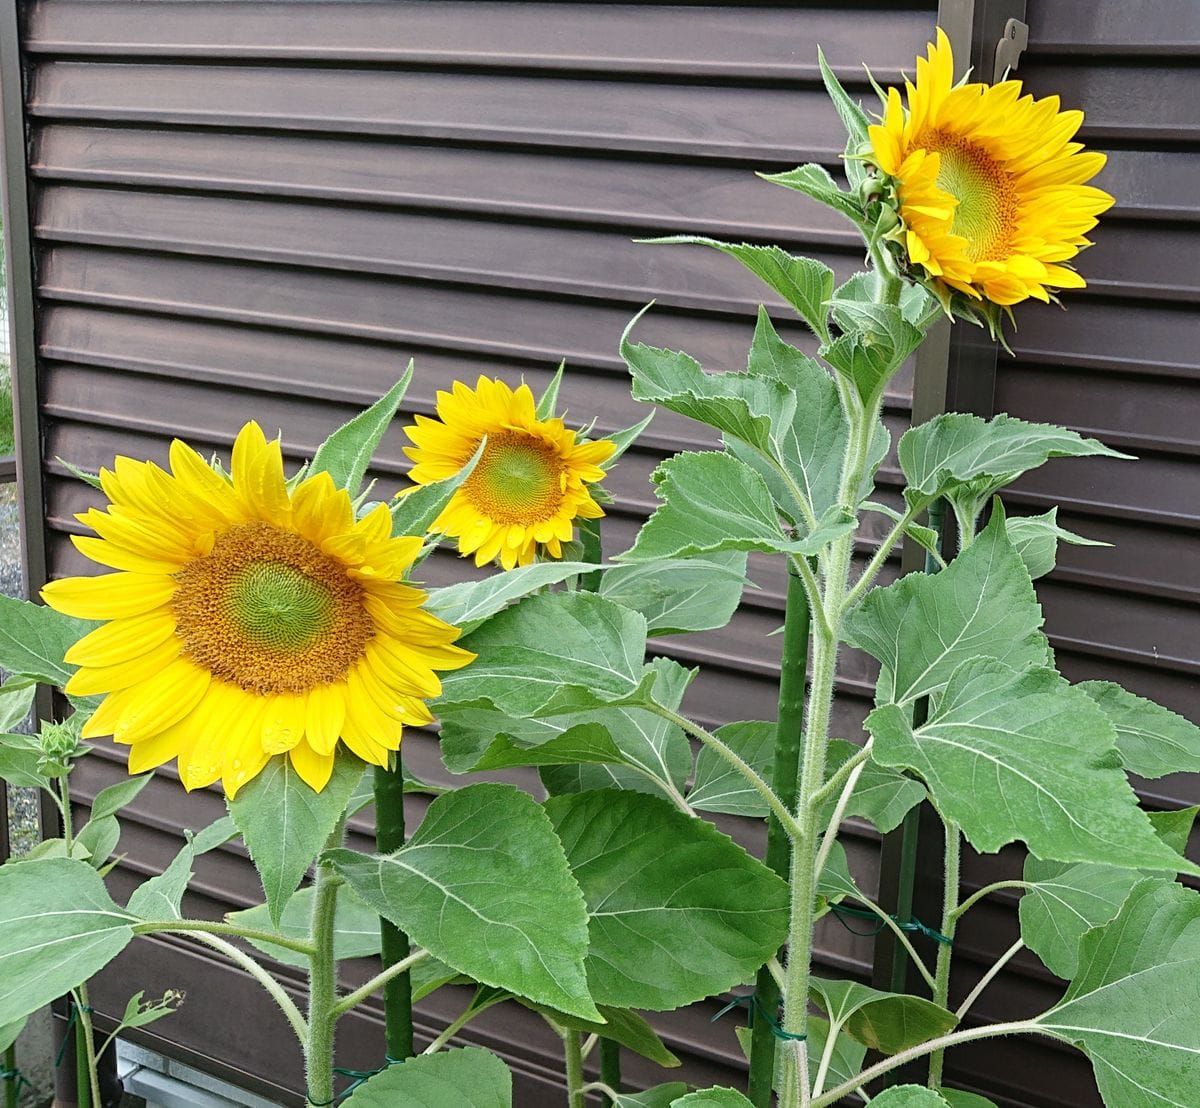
{"type": "Point", "coordinates": [912, 925]}
{"type": "Point", "coordinates": [752, 1004]}
{"type": "Point", "coordinates": [72, 1020]}
{"type": "Point", "coordinates": [358, 1077]}
{"type": "Point", "coordinates": [16, 1077]}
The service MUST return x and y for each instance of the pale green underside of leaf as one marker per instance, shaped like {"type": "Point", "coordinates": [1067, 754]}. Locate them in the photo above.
{"type": "Point", "coordinates": [58, 927]}
{"type": "Point", "coordinates": [1132, 1005]}
{"type": "Point", "coordinates": [9, 1033]}
{"type": "Point", "coordinates": [415, 511]}
{"type": "Point", "coordinates": [1036, 540]}
{"type": "Point", "coordinates": [1024, 756]}
{"type": "Point", "coordinates": [924, 626]}
{"type": "Point", "coordinates": [1153, 740]}
{"type": "Point", "coordinates": [713, 1098]}
{"type": "Point", "coordinates": [677, 910]}
{"type": "Point", "coordinates": [621, 1025]}
{"type": "Point", "coordinates": [285, 824]}
{"type": "Point", "coordinates": [908, 1096]}
{"type": "Point", "coordinates": [661, 1096]}
{"type": "Point", "coordinates": [678, 596]}
{"type": "Point", "coordinates": [533, 651]}
{"type": "Point", "coordinates": [457, 1078]}
{"type": "Point", "coordinates": [954, 448]}
{"type": "Point", "coordinates": [469, 603]}
{"type": "Point", "coordinates": [485, 887]}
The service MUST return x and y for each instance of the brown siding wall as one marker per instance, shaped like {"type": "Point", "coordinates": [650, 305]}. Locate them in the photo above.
{"type": "Point", "coordinates": [257, 210]}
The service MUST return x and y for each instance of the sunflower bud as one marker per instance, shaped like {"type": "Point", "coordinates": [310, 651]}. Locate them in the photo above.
{"type": "Point", "coordinates": [59, 742]}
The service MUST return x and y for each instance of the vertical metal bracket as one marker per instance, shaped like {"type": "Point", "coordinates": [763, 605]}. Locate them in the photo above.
{"type": "Point", "coordinates": [1009, 49]}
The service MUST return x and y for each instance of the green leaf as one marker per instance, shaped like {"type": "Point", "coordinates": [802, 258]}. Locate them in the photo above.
{"type": "Point", "coordinates": [678, 910]}
{"type": "Point", "coordinates": [20, 756]}
{"type": "Point", "coordinates": [415, 510]}
{"type": "Point", "coordinates": [455, 1078]}
{"type": "Point", "coordinates": [661, 1096]}
{"type": "Point", "coordinates": [429, 975]}
{"type": "Point", "coordinates": [34, 638]}
{"type": "Point", "coordinates": [100, 837]}
{"type": "Point", "coordinates": [484, 886]}
{"type": "Point", "coordinates": [216, 834]}
{"type": "Point", "coordinates": [584, 743]}
{"type": "Point", "coordinates": [548, 401]}
{"type": "Point", "coordinates": [286, 825]}
{"type": "Point", "coordinates": [815, 181]}
{"type": "Point", "coordinates": [346, 454]}
{"type": "Point", "coordinates": [10, 1031]}
{"type": "Point", "coordinates": [16, 701]}
{"type": "Point", "coordinates": [1132, 1006]}
{"type": "Point", "coordinates": [56, 848]}
{"type": "Point", "coordinates": [908, 1096]}
{"type": "Point", "coordinates": [1010, 756]}
{"type": "Point", "coordinates": [713, 1098]}
{"type": "Point", "coordinates": [160, 897]}
{"type": "Point", "coordinates": [678, 596]}
{"type": "Point", "coordinates": [1036, 539]}
{"type": "Point", "coordinates": [1067, 899]}
{"type": "Point", "coordinates": [804, 283]}
{"type": "Point", "coordinates": [139, 1011]}
{"type": "Point", "coordinates": [469, 603]}
{"type": "Point", "coordinates": [548, 643]}
{"type": "Point", "coordinates": [720, 788]}
{"type": "Point", "coordinates": [924, 626]}
{"type": "Point", "coordinates": [835, 882]}
{"type": "Point", "coordinates": [111, 800]}
{"type": "Point", "coordinates": [953, 449]}
{"type": "Point", "coordinates": [1153, 740]}
{"type": "Point", "coordinates": [877, 340]}
{"type": "Point", "coordinates": [853, 118]}
{"type": "Point", "coordinates": [87, 477]}
{"type": "Point", "coordinates": [957, 1098]}
{"type": "Point", "coordinates": [771, 357]}
{"type": "Point", "coordinates": [58, 927]}
{"type": "Point", "coordinates": [917, 305]}
{"type": "Point", "coordinates": [882, 795]}
{"type": "Point", "coordinates": [887, 1022]}
{"type": "Point", "coordinates": [1175, 827]}
{"type": "Point", "coordinates": [623, 440]}
{"type": "Point", "coordinates": [712, 502]}
{"type": "Point", "coordinates": [621, 1026]}
{"type": "Point", "coordinates": [355, 928]}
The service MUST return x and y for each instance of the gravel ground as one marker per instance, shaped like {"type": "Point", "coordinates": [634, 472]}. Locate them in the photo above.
{"type": "Point", "coordinates": [22, 803]}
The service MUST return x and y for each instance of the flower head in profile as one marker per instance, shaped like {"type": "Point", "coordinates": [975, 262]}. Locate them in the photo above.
{"type": "Point", "coordinates": [990, 187]}
{"type": "Point", "coordinates": [528, 487]}
{"type": "Point", "coordinates": [246, 619]}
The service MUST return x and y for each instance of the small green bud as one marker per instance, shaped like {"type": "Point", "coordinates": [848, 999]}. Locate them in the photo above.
{"type": "Point", "coordinates": [59, 742]}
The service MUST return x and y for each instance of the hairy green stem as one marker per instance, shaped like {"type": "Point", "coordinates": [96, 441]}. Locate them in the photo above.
{"type": "Point", "coordinates": [322, 982]}
{"type": "Point", "coordinates": [955, 1038]}
{"type": "Point", "coordinates": [272, 987]}
{"type": "Point", "coordinates": [988, 977]}
{"type": "Point", "coordinates": [573, 1052]}
{"type": "Point", "coordinates": [941, 985]}
{"type": "Point", "coordinates": [733, 758]}
{"type": "Point", "coordinates": [394, 944]}
{"type": "Point", "coordinates": [987, 890]}
{"type": "Point", "coordinates": [87, 1075]}
{"type": "Point", "coordinates": [379, 981]}
{"type": "Point", "coordinates": [867, 578]}
{"type": "Point", "coordinates": [835, 820]}
{"type": "Point", "coordinates": [784, 779]}
{"type": "Point", "coordinates": [452, 1028]}
{"type": "Point", "coordinates": [213, 927]}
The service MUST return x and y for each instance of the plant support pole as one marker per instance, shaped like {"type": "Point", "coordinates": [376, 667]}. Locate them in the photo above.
{"type": "Point", "coordinates": [784, 778]}
{"type": "Point", "coordinates": [394, 944]}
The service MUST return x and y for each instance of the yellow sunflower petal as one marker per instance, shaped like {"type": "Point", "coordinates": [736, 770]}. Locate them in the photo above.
{"type": "Point", "coordinates": [162, 700]}
{"type": "Point", "coordinates": [122, 639]}
{"type": "Point", "coordinates": [314, 769]}
{"type": "Point", "coordinates": [112, 596]}
{"type": "Point", "coordinates": [326, 711]}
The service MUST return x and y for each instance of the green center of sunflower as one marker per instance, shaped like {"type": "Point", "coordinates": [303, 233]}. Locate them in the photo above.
{"type": "Point", "coordinates": [518, 479]}
{"type": "Point", "coordinates": [268, 611]}
{"type": "Point", "coordinates": [987, 201]}
{"type": "Point", "coordinates": [278, 607]}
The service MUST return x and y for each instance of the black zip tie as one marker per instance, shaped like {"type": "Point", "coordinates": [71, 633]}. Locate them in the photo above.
{"type": "Point", "coordinates": [16, 1077]}
{"type": "Point", "coordinates": [361, 1077]}
{"type": "Point", "coordinates": [910, 925]}
{"type": "Point", "coordinates": [72, 1021]}
{"type": "Point", "coordinates": [752, 1004]}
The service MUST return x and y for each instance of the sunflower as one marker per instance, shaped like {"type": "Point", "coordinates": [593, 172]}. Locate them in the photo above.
{"type": "Point", "coordinates": [247, 619]}
{"type": "Point", "coordinates": [990, 187]}
{"type": "Point", "coordinates": [527, 488]}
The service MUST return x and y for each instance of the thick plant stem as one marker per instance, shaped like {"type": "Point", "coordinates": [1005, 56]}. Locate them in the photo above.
{"type": "Point", "coordinates": [322, 984]}
{"type": "Point", "coordinates": [610, 1064]}
{"type": "Point", "coordinates": [784, 780]}
{"type": "Point", "coordinates": [394, 944]}
{"type": "Point", "coordinates": [573, 1052]}
{"type": "Point", "coordinates": [12, 1083]}
{"type": "Point", "coordinates": [941, 975]}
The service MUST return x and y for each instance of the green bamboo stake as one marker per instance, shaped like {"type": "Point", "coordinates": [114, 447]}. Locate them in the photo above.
{"type": "Point", "coordinates": [12, 1088]}
{"type": "Point", "coordinates": [83, 1085]}
{"type": "Point", "coordinates": [394, 945]}
{"type": "Point", "coordinates": [784, 780]}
